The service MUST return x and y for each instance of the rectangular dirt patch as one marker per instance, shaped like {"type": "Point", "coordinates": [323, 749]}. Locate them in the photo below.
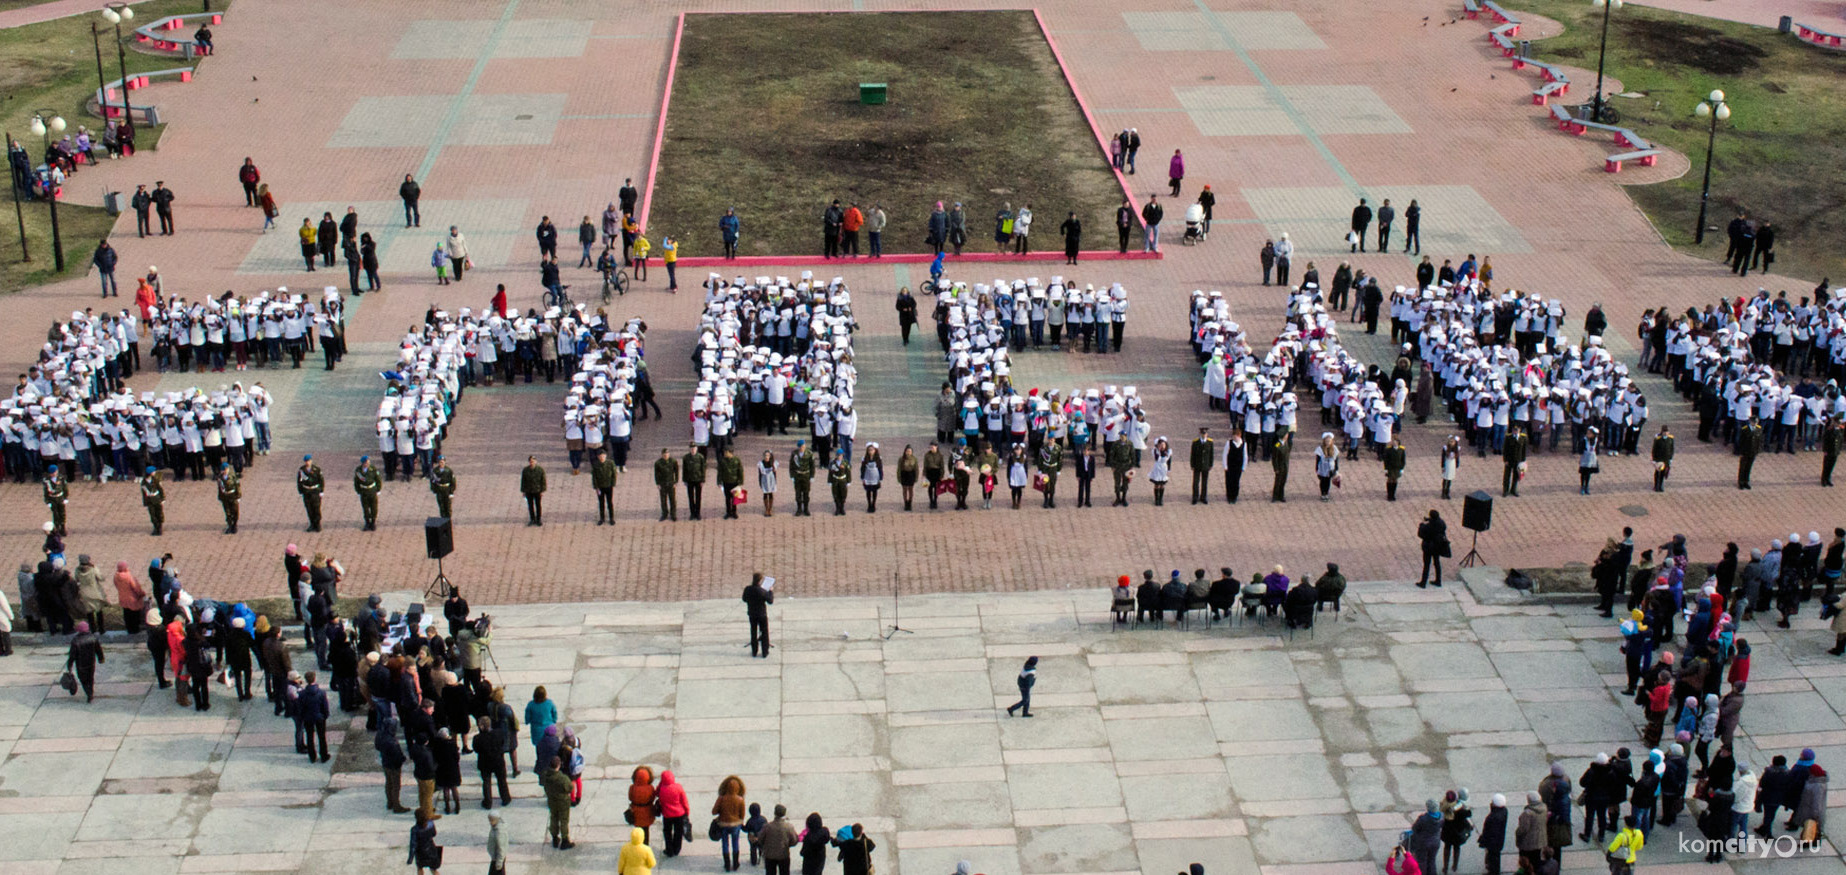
{"type": "Point", "coordinates": [765, 118]}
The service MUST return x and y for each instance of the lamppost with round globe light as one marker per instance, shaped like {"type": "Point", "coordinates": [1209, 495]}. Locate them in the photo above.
{"type": "Point", "coordinates": [116, 13]}
{"type": "Point", "coordinates": [1601, 53]}
{"type": "Point", "coordinates": [1714, 108]}
{"type": "Point", "coordinates": [46, 123]}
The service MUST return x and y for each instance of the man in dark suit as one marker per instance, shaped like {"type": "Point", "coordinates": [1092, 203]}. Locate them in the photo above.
{"type": "Point", "coordinates": [1512, 452]}
{"type": "Point", "coordinates": [1236, 453]}
{"type": "Point", "coordinates": [1086, 475]}
{"type": "Point", "coordinates": [1361, 220]}
{"type": "Point", "coordinates": [757, 600]}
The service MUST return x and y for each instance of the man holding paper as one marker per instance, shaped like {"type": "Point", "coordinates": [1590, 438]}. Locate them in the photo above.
{"type": "Point", "coordinates": [758, 596]}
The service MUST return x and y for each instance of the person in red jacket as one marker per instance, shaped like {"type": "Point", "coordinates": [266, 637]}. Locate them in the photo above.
{"type": "Point", "coordinates": [849, 240]}
{"type": "Point", "coordinates": [676, 811]}
{"type": "Point", "coordinates": [249, 176]}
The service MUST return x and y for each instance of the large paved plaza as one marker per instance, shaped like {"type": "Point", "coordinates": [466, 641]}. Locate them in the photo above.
{"type": "Point", "coordinates": [1240, 747]}
{"type": "Point", "coordinates": [1237, 746]}
{"type": "Point", "coordinates": [512, 110]}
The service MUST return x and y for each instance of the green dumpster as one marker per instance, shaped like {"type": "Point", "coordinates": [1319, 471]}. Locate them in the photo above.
{"type": "Point", "coordinates": [871, 93]}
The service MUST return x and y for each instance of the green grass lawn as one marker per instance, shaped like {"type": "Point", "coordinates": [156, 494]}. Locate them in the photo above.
{"type": "Point", "coordinates": [1778, 157]}
{"type": "Point", "coordinates": [52, 66]}
{"type": "Point", "coordinates": [765, 118]}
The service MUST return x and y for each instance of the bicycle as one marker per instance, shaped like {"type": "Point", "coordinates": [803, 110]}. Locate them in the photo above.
{"type": "Point", "coordinates": [614, 283]}
{"type": "Point", "coordinates": [559, 298]}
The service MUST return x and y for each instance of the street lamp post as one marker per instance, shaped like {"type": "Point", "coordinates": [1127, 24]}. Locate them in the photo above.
{"type": "Point", "coordinates": [46, 123]}
{"type": "Point", "coordinates": [116, 13]}
{"type": "Point", "coordinates": [18, 211]}
{"type": "Point", "coordinates": [1602, 51]}
{"type": "Point", "coordinates": [1714, 108]}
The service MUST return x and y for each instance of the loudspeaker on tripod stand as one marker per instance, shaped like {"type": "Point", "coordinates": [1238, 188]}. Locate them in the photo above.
{"type": "Point", "coordinates": [1477, 517]}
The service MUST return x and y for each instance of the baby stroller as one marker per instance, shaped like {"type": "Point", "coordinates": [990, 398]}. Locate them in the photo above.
{"type": "Point", "coordinates": [1195, 224]}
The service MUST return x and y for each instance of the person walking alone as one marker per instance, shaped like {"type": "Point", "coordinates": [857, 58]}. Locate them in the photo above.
{"type": "Point", "coordinates": [1028, 677]}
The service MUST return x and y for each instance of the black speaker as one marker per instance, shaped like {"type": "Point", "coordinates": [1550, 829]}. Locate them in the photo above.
{"type": "Point", "coordinates": [438, 536]}
{"type": "Point", "coordinates": [1477, 511]}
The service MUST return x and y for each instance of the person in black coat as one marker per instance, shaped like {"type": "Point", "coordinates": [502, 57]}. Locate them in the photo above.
{"type": "Point", "coordinates": [1493, 834]}
{"type": "Point", "coordinates": [312, 712]}
{"type": "Point", "coordinates": [327, 238]}
{"type": "Point", "coordinates": [199, 668]}
{"type": "Point", "coordinates": [237, 647]}
{"type": "Point", "coordinates": [86, 651]}
{"type": "Point", "coordinates": [1298, 606]}
{"type": "Point", "coordinates": [447, 753]}
{"type": "Point", "coordinates": [157, 648]}
{"type": "Point", "coordinates": [1223, 597]}
{"type": "Point", "coordinates": [814, 845]}
{"type": "Point", "coordinates": [345, 666]}
{"type": "Point", "coordinates": [757, 600]}
{"type": "Point", "coordinates": [1173, 597]}
{"type": "Point", "coordinates": [490, 761]}
{"type": "Point", "coordinates": [1434, 535]}
{"type": "Point", "coordinates": [1147, 598]}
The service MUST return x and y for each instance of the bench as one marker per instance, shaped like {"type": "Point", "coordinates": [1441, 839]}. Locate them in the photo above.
{"type": "Point", "coordinates": [109, 100]}
{"type": "Point", "coordinates": [151, 35]}
{"type": "Point", "coordinates": [1542, 96]}
{"type": "Point", "coordinates": [1471, 8]}
{"type": "Point", "coordinates": [1647, 157]}
{"type": "Point", "coordinates": [1814, 35]}
{"type": "Point", "coordinates": [1503, 16]}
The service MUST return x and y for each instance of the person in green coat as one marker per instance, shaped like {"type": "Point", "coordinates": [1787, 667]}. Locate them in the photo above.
{"type": "Point", "coordinates": [959, 464]}
{"type": "Point", "coordinates": [230, 492]}
{"type": "Point", "coordinates": [692, 473]}
{"type": "Point", "coordinates": [801, 470]}
{"type": "Point", "coordinates": [1204, 453]}
{"type": "Point", "coordinates": [730, 479]}
{"type": "Point", "coordinates": [1279, 460]}
{"type": "Point", "coordinates": [57, 493]}
{"type": "Point", "coordinates": [1120, 457]}
{"type": "Point", "coordinates": [1749, 443]}
{"type": "Point", "coordinates": [666, 477]}
{"type": "Point", "coordinates": [366, 482]}
{"type": "Point", "coordinates": [1050, 462]}
{"type": "Point", "coordinates": [839, 475]}
{"type": "Point", "coordinates": [532, 486]}
{"type": "Point", "coordinates": [1394, 467]}
{"type": "Point", "coordinates": [310, 483]}
{"type": "Point", "coordinates": [602, 479]}
{"type": "Point", "coordinates": [154, 498]}
{"type": "Point", "coordinates": [442, 484]}
{"type": "Point", "coordinates": [1831, 442]}
{"type": "Point", "coordinates": [1663, 458]}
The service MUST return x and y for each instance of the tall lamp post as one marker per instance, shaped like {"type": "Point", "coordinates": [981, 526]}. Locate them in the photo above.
{"type": "Point", "coordinates": [116, 13]}
{"type": "Point", "coordinates": [18, 212]}
{"type": "Point", "coordinates": [1602, 51]}
{"type": "Point", "coordinates": [1714, 108]}
{"type": "Point", "coordinates": [46, 123]}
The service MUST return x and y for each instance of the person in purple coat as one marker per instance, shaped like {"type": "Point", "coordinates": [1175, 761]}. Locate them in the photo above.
{"type": "Point", "coordinates": [1276, 590]}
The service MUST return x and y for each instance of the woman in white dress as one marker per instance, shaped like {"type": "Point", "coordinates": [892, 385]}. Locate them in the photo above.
{"type": "Point", "coordinates": [1326, 464]}
{"type": "Point", "coordinates": [1162, 469]}
{"type": "Point", "coordinates": [871, 475]}
{"type": "Point", "coordinates": [1016, 476]}
{"type": "Point", "coordinates": [766, 481]}
{"type": "Point", "coordinates": [1451, 461]}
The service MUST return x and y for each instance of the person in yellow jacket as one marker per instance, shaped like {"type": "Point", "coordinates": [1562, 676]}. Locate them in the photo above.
{"type": "Point", "coordinates": [1625, 849]}
{"type": "Point", "coordinates": [637, 858]}
{"type": "Point", "coordinates": [669, 253]}
{"type": "Point", "coordinates": [640, 250]}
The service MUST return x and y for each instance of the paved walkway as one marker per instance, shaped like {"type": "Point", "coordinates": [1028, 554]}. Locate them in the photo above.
{"type": "Point", "coordinates": [51, 11]}
{"type": "Point", "coordinates": [507, 110]}
{"type": "Point", "coordinates": [1234, 746]}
